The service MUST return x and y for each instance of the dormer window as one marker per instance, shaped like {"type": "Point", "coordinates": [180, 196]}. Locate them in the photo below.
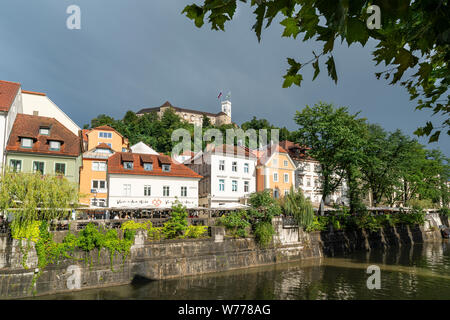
{"type": "Point", "coordinates": [148, 166]}
{"type": "Point", "coordinates": [128, 165]}
{"type": "Point", "coordinates": [55, 145]}
{"type": "Point", "coordinates": [166, 167]}
{"type": "Point", "coordinates": [26, 142]}
{"type": "Point", "coordinates": [44, 131]}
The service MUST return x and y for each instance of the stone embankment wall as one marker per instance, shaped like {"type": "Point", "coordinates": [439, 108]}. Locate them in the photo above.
{"type": "Point", "coordinates": [156, 260]}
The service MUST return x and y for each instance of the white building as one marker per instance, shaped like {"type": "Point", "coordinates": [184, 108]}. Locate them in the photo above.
{"type": "Point", "coordinates": [141, 147]}
{"type": "Point", "coordinates": [229, 175]}
{"type": "Point", "coordinates": [10, 106]}
{"type": "Point", "coordinates": [38, 104]}
{"type": "Point", "coordinates": [150, 181]}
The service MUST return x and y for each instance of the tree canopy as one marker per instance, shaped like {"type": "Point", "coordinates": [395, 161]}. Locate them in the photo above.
{"type": "Point", "coordinates": [413, 41]}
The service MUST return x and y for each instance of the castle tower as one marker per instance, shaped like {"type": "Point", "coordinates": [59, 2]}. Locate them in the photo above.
{"type": "Point", "coordinates": [226, 107]}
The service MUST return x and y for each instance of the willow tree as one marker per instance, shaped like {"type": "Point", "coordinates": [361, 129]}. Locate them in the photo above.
{"type": "Point", "coordinates": [295, 204]}
{"type": "Point", "coordinates": [31, 197]}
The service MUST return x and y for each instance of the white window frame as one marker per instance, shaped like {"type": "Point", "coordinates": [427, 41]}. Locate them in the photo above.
{"type": "Point", "coordinates": [147, 190]}
{"type": "Point", "coordinates": [246, 167]}
{"type": "Point", "coordinates": [22, 140]}
{"type": "Point", "coordinates": [97, 165]}
{"type": "Point", "coordinates": [275, 175]}
{"type": "Point", "coordinates": [99, 188]}
{"type": "Point", "coordinates": [221, 184]}
{"type": "Point", "coordinates": [54, 142]}
{"type": "Point", "coordinates": [246, 186]}
{"type": "Point", "coordinates": [184, 188]}
{"type": "Point", "coordinates": [234, 185]}
{"type": "Point", "coordinates": [286, 178]}
{"type": "Point", "coordinates": [166, 191]}
{"type": "Point", "coordinates": [234, 166]}
{"type": "Point", "coordinates": [286, 163]}
{"type": "Point", "coordinates": [126, 190]}
{"type": "Point", "coordinates": [65, 167]}
{"type": "Point", "coordinates": [14, 167]}
{"type": "Point", "coordinates": [104, 135]}
{"type": "Point", "coordinates": [43, 169]}
{"type": "Point", "coordinates": [221, 165]}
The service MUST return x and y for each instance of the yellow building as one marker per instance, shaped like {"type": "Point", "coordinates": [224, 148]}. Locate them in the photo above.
{"type": "Point", "coordinates": [100, 143]}
{"type": "Point", "coordinates": [275, 170]}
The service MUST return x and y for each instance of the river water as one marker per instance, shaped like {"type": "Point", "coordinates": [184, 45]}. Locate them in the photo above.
{"type": "Point", "coordinates": [421, 271]}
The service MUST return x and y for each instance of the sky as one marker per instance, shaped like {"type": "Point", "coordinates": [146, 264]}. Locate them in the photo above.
{"type": "Point", "coordinates": [134, 54]}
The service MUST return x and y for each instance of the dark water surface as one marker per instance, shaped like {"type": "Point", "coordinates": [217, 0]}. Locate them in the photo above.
{"type": "Point", "coordinates": [421, 271]}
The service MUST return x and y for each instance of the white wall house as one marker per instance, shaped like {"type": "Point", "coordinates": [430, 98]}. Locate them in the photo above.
{"type": "Point", "coordinates": [38, 104]}
{"type": "Point", "coordinates": [141, 147]}
{"type": "Point", "coordinates": [10, 106]}
{"type": "Point", "coordinates": [228, 177]}
{"type": "Point", "coordinates": [150, 181]}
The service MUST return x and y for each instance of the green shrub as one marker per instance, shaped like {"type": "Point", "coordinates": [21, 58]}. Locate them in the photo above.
{"type": "Point", "coordinates": [177, 224]}
{"type": "Point", "coordinates": [195, 232]}
{"type": "Point", "coordinates": [236, 223]}
{"type": "Point", "coordinates": [319, 223]}
{"type": "Point", "coordinates": [264, 233]}
{"type": "Point", "coordinates": [444, 212]}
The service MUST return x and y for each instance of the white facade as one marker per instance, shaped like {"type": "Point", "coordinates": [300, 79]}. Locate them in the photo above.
{"type": "Point", "coordinates": [309, 181]}
{"type": "Point", "coordinates": [227, 179]}
{"type": "Point", "coordinates": [141, 147]}
{"type": "Point", "coordinates": [128, 191]}
{"type": "Point", "coordinates": [41, 105]}
{"type": "Point", "coordinates": [7, 121]}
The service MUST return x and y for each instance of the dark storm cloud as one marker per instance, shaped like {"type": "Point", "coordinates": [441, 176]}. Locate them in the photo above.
{"type": "Point", "coordinates": [133, 54]}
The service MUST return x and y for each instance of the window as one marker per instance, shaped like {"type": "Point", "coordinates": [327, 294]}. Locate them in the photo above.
{"type": "Point", "coordinates": [16, 165]}
{"type": "Point", "coordinates": [184, 191]}
{"type": "Point", "coordinates": [147, 190]}
{"type": "Point", "coordinates": [26, 142]}
{"type": "Point", "coordinates": [55, 145]}
{"type": "Point", "coordinates": [308, 182]}
{"type": "Point", "coordinates": [275, 177]}
{"type": "Point", "coordinates": [246, 167]}
{"type": "Point", "coordinates": [234, 186]}
{"type": "Point", "coordinates": [246, 186]}
{"type": "Point", "coordinates": [44, 131]}
{"type": "Point", "coordinates": [123, 149]}
{"type": "Point", "coordinates": [234, 166]}
{"type": "Point", "coordinates": [221, 185]}
{"type": "Point", "coordinates": [275, 162]}
{"type": "Point", "coordinates": [221, 165]}
{"type": "Point", "coordinates": [98, 202]}
{"type": "Point", "coordinates": [99, 184]}
{"type": "Point", "coordinates": [38, 166]}
{"type": "Point", "coordinates": [166, 191]}
{"type": "Point", "coordinates": [106, 135]}
{"type": "Point", "coordinates": [286, 177]}
{"type": "Point", "coordinates": [98, 166]}
{"type": "Point", "coordinates": [166, 167]}
{"type": "Point", "coordinates": [60, 168]}
{"type": "Point", "coordinates": [127, 189]}
{"type": "Point", "coordinates": [276, 193]}
{"type": "Point", "coordinates": [285, 163]}
{"type": "Point", "coordinates": [286, 192]}
{"type": "Point", "coordinates": [128, 165]}
{"type": "Point", "coordinates": [148, 166]}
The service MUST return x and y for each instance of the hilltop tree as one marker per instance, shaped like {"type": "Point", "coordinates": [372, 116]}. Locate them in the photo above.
{"type": "Point", "coordinates": [413, 40]}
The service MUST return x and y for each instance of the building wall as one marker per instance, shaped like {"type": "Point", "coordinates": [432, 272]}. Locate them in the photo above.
{"type": "Point", "coordinates": [47, 108]}
{"type": "Point", "coordinates": [228, 175]}
{"type": "Point", "coordinates": [7, 122]}
{"type": "Point", "coordinates": [266, 174]}
{"type": "Point", "coordinates": [117, 141]}
{"type": "Point", "coordinates": [116, 197]}
{"type": "Point", "coordinates": [86, 177]}
{"type": "Point", "coordinates": [72, 164]}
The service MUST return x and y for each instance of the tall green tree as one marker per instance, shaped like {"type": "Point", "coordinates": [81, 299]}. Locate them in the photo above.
{"type": "Point", "coordinates": [412, 40]}
{"type": "Point", "coordinates": [336, 138]}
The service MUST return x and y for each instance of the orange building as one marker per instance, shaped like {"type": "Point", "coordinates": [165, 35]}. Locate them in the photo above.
{"type": "Point", "coordinates": [275, 170]}
{"type": "Point", "coordinates": [100, 143]}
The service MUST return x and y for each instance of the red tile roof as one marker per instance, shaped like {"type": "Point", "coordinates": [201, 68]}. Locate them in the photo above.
{"type": "Point", "coordinates": [265, 154]}
{"type": "Point", "coordinates": [103, 146]}
{"type": "Point", "coordinates": [296, 151]}
{"type": "Point", "coordinates": [177, 170]}
{"type": "Point", "coordinates": [84, 133]}
{"type": "Point", "coordinates": [8, 92]}
{"type": "Point", "coordinates": [28, 126]}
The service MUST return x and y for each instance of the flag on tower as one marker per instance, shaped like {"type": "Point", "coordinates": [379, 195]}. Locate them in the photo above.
{"type": "Point", "coordinates": [220, 94]}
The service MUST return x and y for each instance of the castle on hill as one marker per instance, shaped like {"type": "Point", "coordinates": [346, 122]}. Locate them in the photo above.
{"type": "Point", "coordinates": [194, 116]}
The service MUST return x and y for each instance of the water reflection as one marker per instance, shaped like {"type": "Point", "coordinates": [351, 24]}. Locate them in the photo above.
{"type": "Point", "coordinates": [420, 271]}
